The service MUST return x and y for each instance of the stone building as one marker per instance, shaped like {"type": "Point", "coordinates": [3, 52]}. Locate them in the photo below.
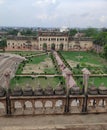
{"type": "Point", "coordinates": [21, 43]}
{"type": "Point", "coordinates": [48, 40]}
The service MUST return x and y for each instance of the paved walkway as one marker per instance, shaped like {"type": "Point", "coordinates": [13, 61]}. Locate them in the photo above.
{"type": "Point", "coordinates": [69, 79]}
{"type": "Point", "coordinates": [55, 122]}
{"type": "Point", "coordinates": [34, 75]}
{"type": "Point", "coordinates": [8, 61]}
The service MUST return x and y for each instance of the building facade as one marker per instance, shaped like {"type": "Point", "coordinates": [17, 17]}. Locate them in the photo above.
{"type": "Point", "coordinates": [49, 41]}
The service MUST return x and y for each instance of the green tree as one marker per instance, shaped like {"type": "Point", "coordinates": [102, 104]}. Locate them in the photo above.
{"type": "Point", "coordinates": [72, 32]}
{"type": "Point", "coordinates": [3, 43]}
{"type": "Point", "coordinates": [105, 51]}
{"type": "Point", "coordinates": [90, 32]}
{"type": "Point", "coordinates": [12, 32]}
{"type": "Point", "coordinates": [101, 39]}
{"type": "Point", "coordinates": [29, 32]}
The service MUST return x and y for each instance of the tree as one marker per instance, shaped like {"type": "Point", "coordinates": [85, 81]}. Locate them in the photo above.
{"type": "Point", "coordinates": [12, 32]}
{"type": "Point", "coordinates": [29, 32]}
{"type": "Point", "coordinates": [101, 39]}
{"type": "Point", "coordinates": [3, 44]}
{"type": "Point", "coordinates": [72, 32]}
{"type": "Point", "coordinates": [105, 51]}
{"type": "Point", "coordinates": [90, 32]}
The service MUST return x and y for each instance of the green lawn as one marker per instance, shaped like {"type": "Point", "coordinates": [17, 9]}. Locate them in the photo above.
{"type": "Point", "coordinates": [35, 61]}
{"type": "Point", "coordinates": [84, 57]}
{"type": "Point", "coordinates": [92, 61]}
{"type": "Point", "coordinates": [38, 59]}
{"type": "Point", "coordinates": [98, 81]}
{"type": "Point", "coordinates": [43, 81]}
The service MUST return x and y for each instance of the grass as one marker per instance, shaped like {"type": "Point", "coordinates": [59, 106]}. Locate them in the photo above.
{"type": "Point", "coordinates": [50, 70]}
{"type": "Point", "coordinates": [85, 57]}
{"type": "Point", "coordinates": [44, 81]}
{"type": "Point", "coordinates": [92, 61]}
{"type": "Point", "coordinates": [37, 60]}
{"type": "Point", "coordinates": [97, 81]}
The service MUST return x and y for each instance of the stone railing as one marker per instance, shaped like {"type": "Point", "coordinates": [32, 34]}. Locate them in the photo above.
{"type": "Point", "coordinates": [55, 104]}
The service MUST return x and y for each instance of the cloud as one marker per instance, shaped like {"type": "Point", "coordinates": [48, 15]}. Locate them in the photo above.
{"type": "Point", "coordinates": [43, 2]}
{"type": "Point", "coordinates": [2, 1]}
{"type": "Point", "coordinates": [103, 19]}
{"type": "Point", "coordinates": [81, 13]}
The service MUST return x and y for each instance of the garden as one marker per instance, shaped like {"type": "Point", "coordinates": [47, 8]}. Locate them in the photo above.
{"type": "Point", "coordinates": [42, 64]}
{"type": "Point", "coordinates": [33, 82]}
{"type": "Point", "coordinates": [78, 60]}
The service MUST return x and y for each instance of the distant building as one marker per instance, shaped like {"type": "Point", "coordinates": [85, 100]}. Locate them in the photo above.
{"type": "Point", "coordinates": [48, 40]}
{"type": "Point", "coordinates": [2, 33]}
{"type": "Point", "coordinates": [64, 29]}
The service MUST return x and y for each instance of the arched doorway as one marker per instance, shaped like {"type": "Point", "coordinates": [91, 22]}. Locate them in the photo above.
{"type": "Point", "coordinates": [52, 46]}
{"type": "Point", "coordinates": [61, 46]}
{"type": "Point", "coordinates": [44, 46]}
{"type": "Point", "coordinates": [28, 44]}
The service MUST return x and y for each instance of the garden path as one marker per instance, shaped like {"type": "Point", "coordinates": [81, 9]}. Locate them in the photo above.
{"type": "Point", "coordinates": [65, 71]}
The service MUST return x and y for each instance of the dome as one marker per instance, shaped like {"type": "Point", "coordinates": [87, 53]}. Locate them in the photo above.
{"type": "Point", "coordinates": [102, 90]}
{"type": "Point", "coordinates": [27, 91]}
{"type": "Point", "coordinates": [75, 90]}
{"type": "Point", "coordinates": [38, 91]}
{"type": "Point", "coordinates": [17, 91]}
{"type": "Point", "coordinates": [49, 91]}
{"type": "Point", "coordinates": [59, 90]}
{"type": "Point", "coordinates": [92, 90]}
{"type": "Point", "coordinates": [2, 92]}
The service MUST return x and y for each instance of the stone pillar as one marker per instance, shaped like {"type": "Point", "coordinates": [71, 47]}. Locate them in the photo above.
{"type": "Point", "coordinates": [7, 79]}
{"type": "Point", "coordinates": [86, 75]}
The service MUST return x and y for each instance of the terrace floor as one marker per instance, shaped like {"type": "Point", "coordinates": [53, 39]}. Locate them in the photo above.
{"type": "Point", "coordinates": [56, 122]}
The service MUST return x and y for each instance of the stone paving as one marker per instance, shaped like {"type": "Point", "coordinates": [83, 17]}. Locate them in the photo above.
{"type": "Point", "coordinates": [8, 61]}
{"type": "Point", "coordinates": [56, 122]}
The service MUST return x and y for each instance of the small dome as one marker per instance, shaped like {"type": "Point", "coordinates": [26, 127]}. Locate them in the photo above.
{"type": "Point", "coordinates": [27, 91]}
{"type": "Point", "coordinates": [17, 91]}
{"type": "Point", "coordinates": [92, 87]}
{"type": "Point", "coordinates": [38, 91]}
{"type": "Point", "coordinates": [92, 90]}
{"type": "Point", "coordinates": [1, 89]}
{"type": "Point", "coordinates": [59, 90]}
{"type": "Point", "coordinates": [102, 90]}
{"type": "Point", "coordinates": [2, 92]}
{"type": "Point", "coordinates": [49, 91]}
{"type": "Point", "coordinates": [75, 90]}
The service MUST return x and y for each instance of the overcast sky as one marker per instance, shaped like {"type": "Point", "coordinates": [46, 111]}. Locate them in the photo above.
{"type": "Point", "coordinates": [53, 13]}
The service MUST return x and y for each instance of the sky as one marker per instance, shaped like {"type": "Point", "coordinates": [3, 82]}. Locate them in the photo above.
{"type": "Point", "coordinates": [53, 13]}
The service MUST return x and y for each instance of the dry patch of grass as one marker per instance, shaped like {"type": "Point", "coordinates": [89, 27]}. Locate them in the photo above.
{"type": "Point", "coordinates": [38, 68]}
